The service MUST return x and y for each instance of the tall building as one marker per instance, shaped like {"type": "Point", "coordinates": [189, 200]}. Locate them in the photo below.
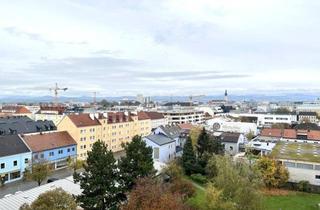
{"type": "Point", "coordinates": [114, 128]}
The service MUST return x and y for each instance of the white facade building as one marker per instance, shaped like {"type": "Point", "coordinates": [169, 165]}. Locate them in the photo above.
{"type": "Point", "coordinates": [266, 120]}
{"type": "Point", "coordinates": [225, 125]}
{"type": "Point", "coordinates": [180, 116]}
{"type": "Point", "coordinates": [164, 148]}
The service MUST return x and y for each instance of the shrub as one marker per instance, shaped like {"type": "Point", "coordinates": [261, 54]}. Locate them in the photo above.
{"type": "Point", "coordinates": [183, 188]}
{"type": "Point", "coordinates": [199, 178]}
{"type": "Point", "coordinates": [304, 186]}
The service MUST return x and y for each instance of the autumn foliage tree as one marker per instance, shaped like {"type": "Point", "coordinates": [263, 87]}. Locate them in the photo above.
{"type": "Point", "coordinates": [273, 173]}
{"type": "Point", "coordinates": [149, 194]}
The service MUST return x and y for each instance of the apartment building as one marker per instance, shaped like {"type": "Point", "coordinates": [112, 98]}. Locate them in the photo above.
{"type": "Point", "coordinates": [180, 116]}
{"type": "Point", "coordinates": [85, 129]}
{"type": "Point", "coordinates": [114, 128]}
{"type": "Point", "coordinates": [51, 113]}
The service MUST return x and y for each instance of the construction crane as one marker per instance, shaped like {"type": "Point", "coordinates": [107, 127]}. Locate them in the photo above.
{"type": "Point", "coordinates": [56, 90]}
{"type": "Point", "coordinates": [192, 97]}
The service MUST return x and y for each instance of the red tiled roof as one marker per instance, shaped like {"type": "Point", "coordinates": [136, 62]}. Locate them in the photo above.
{"type": "Point", "coordinates": [47, 141]}
{"type": "Point", "coordinates": [15, 110]}
{"type": "Point", "coordinates": [155, 115]}
{"type": "Point", "coordinates": [83, 120]}
{"type": "Point", "coordinates": [143, 116]}
{"type": "Point", "coordinates": [289, 133]}
{"type": "Point", "coordinates": [274, 132]}
{"type": "Point", "coordinates": [59, 109]}
{"type": "Point", "coordinates": [118, 117]}
{"type": "Point", "coordinates": [314, 135]}
{"type": "Point", "coordinates": [186, 126]}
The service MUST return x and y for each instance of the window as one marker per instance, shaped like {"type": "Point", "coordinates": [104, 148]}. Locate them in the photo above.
{"type": "Point", "coordinates": [51, 154]}
{"type": "Point", "coordinates": [60, 151]}
{"type": "Point", "coordinates": [35, 156]}
{"type": "Point", "coordinates": [15, 163]}
{"type": "Point", "coordinates": [15, 175]}
{"type": "Point", "coordinates": [2, 166]}
{"type": "Point", "coordinates": [26, 160]}
{"type": "Point", "coordinates": [73, 149]}
{"type": "Point", "coordinates": [42, 156]}
{"type": "Point", "coordinates": [69, 150]}
{"type": "Point", "coordinates": [84, 146]}
{"type": "Point", "coordinates": [317, 177]}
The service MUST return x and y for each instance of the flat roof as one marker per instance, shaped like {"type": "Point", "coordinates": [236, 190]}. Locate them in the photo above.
{"type": "Point", "coordinates": [299, 151]}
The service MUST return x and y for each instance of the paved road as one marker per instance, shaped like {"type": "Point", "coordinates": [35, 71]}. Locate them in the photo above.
{"type": "Point", "coordinates": [11, 188]}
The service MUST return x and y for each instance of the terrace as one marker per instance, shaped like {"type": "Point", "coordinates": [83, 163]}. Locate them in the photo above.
{"type": "Point", "coordinates": [298, 151]}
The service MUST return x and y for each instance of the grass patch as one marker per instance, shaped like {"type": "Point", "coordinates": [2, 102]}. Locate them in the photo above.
{"type": "Point", "coordinates": [292, 201]}
{"type": "Point", "coordinates": [198, 200]}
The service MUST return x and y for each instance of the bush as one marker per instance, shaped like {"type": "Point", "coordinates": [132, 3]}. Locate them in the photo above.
{"type": "Point", "coordinates": [182, 187]}
{"type": "Point", "coordinates": [199, 178]}
{"type": "Point", "coordinates": [304, 186]}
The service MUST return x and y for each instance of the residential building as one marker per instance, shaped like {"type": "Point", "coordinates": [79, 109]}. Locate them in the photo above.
{"type": "Point", "coordinates": [310, 117]}
{"type": "Point", "coordinates": [157, 118]}
{"type": "Point", "coordinates": [233, 142]}
{"type": "Point", "coordinates": [50, 113]}
{"type": "Point", "coordinates": [267, 120]}
{"type": "Point", "coordinates": [173, 132]}
{"type": "Point", "coordinates": [114, 128]}
{"type": "Point", "coordinates": [164, 148]}
{"type": "Point", "coordinates": [226, 125]}
{"type": "Point", "coordinates": [180, 116]}
{"type": "Point", "coordinates": [22, 125]}
{"type": "Point", "coordinates": [55, 148]}
{"type": "Point", "coordinates": [15, 111]}
{"type": "Point", "coordinates": [15, 157]}
{"type": "Point", "coordinates": [85, 129]}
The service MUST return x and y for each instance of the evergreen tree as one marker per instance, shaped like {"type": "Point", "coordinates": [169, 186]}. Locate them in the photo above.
{"type": "Point", "coordinates": [100, 180]}
{"type": "Point", "coordinates": [137, 163]}
{"type": "Point", "coordinates": [189, 161]}
{"type": "Point", "coordinates": [203, 142]}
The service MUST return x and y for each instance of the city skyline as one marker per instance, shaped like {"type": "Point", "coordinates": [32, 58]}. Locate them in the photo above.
{"type": "Point", "coordinates": [159, 47]}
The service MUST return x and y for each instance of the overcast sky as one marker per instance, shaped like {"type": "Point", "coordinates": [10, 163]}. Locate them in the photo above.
{"type": "Point", "coordinates": [154, 47]}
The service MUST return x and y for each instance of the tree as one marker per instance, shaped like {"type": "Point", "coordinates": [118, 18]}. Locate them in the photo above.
{"type": "Point", "coordinates": [250, 135]}
{"type": "Point", "coordinates": [215, 200]}
{"type": "Point", "coordinates": [56, 199]}
{"type": "Point", "coordinates": [238, 183]}
{"type": "Point", "coordinates": [203, 142]}
{"type": "Point", "coordinates": [211, 167]}
{"type": "Point", "coordinates": [273, 173]}
{"type": "Point", "coordinates": [189, 160]}
{"type": "Point", "coordinates": [282, 110]}
{"type": "Point", "coordinates": [38, 173]}
{"type": "Point", "coordinates": [194, 135]}
{"type": "Point", "coordinates": [148, 194]}
{"type": "Point", "coordinates": [137, 163]}
{"type": "Point", "coordinates": [100, 181]}
{"type": "Point", "coordinates": [75, 164]}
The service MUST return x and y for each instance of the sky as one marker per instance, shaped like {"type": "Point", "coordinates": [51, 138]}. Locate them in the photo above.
{"type": "Point", "coordinates": [155, 47]}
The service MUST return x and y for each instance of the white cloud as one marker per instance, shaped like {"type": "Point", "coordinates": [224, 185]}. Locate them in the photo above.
{"type": "Point", "coordinates": [160, 47]}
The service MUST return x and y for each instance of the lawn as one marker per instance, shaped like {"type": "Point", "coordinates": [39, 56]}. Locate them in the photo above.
{"type": "Point", "coordinates": [289, 201]}
{"type": "Point", "coordinates": [292, 201]}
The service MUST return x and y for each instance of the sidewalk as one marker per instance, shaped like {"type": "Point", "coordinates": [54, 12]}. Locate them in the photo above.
{"type": "Point", "coordinates": [20, 185]}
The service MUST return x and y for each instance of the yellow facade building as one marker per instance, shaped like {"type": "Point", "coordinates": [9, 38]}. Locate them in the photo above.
{"type": "Point", "coordinates": [114, 128]}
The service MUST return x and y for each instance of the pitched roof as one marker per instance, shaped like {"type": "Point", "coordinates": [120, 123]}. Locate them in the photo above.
{"type": "Point", "coordinates": [21, 125]}
{"type": "Point", "coordinates": [314, 135]}
{"type": "Point", "coordinates": [143, 116]}
{"type": "Point", "coordinates": [230, 137]}
{"type": "Point", "coordinates": [308, 113]}
{"type": "Point", "coordinates": [274, 132]}
{"type": "Point", "coordinates": [171, 131]}
{"type": "Point", "coordinates": [12, 145]}
{"type": "Point", "coordinates": [290, 133]}
{"type": "Point", "coordinates": [307, 126]}
{"type": "Point", "coordinates": [154, 115]}
{"type": "Point", "coordinates": [15, 109]}
{"type": "Point", "coordinates": [47, 141]}
{"type": "Point", "coordinates": [160, 139]}
{"type": "Point", "coordinates": [83, 120]}
{"type": "Point", "coordinates": [186, 126]}
{"type": "Point", "coordinates": [58, 109]}
{"type": "Point", "coordinates": [119, 117]}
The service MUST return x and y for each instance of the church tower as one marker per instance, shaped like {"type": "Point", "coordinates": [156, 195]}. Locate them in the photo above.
{"type": "Point", "coordinates": [226, 96]}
